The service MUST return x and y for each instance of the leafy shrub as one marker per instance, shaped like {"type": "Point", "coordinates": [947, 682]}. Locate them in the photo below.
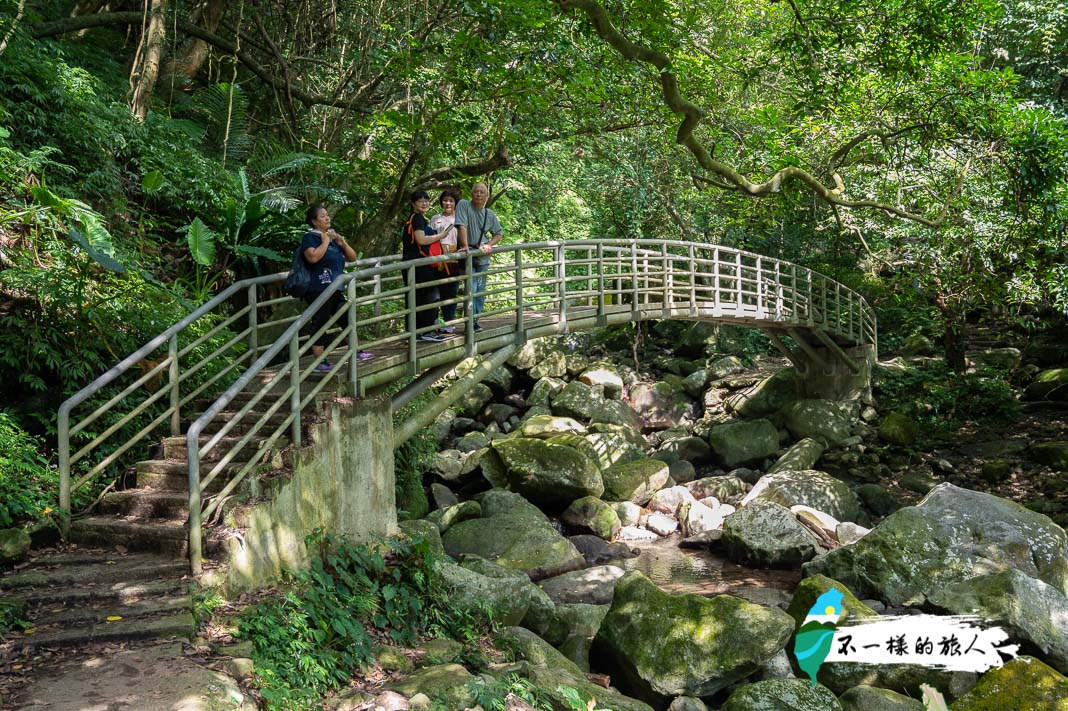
{"type": "Point", "coordinates": [310, 639]}
{"type": "Point", "coordinates": [941, 399]}
{"type": "Point", "coordinates": [27, 484]}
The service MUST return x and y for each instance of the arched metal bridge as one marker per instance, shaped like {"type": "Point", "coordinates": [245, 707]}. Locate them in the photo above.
{"type": "Point", "coordinates": [236, 374]}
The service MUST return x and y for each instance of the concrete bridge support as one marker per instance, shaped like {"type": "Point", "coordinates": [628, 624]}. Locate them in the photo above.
{"type": "Point", "coordinates": [837, 373]}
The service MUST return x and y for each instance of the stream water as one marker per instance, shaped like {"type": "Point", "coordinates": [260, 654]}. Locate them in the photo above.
{"type": "Point", "coordinates": [704, 573]}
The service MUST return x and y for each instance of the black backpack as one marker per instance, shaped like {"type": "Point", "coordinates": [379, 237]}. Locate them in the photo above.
{"type": "Point", "coordinates": [300, 277]}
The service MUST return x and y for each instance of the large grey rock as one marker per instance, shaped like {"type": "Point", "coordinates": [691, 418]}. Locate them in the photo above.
{"type": "Point", "coordinates": [446, 517]}
{"type": "Point", "coordinates": [554, 365]}
{"type": "Point", "coordinates": [1049, 385]}
{"type": "Point", "coordinates": [577, 400]}
{"type": "Point", "coordinates": [689, 448]}
{"type": "Point", "coordinates": [696, 518]}
{"type": "Point", "coordinates": [545, 426]}
{"type": "Point", "coordinates": [824, 420]}
{"type": "Point", "coordinates": [660, 645]}
{"type": "Point", "coordinates": [547, 473]}
{"type": "Point", "coordinates": [660, 405]}
{"type": "Point", "coordinates": [605, 376]}
{"type": "Point", "coordinates": [509, 594]}
{"type": "Point", "coordinates": [799, 457]}
{"type": "Point", "coordinates": [543, 391]}
{"type": "Point", "coordinates": [594, 515]}
{"type": "Point", "coordinates": [668, 500]}
{"type": "Point", "coordinates": [617, 412]}
{"type": "Point", "coordinates": [634, 481]}
{"type": "Point", "coordinates": [767, 535]}
{"type": "Point", "coordinates": [745, 442]}
{"type": "Point", "coordinates": [812, 488]}
{"type": "Point", "coordinates": [552, 682]}
{"type": "Point", "coordinates": [474, 399]}
{"type": "Point", "coordinates": [952, 535]}
{"type": "Point", "coordinates": [870, 698]}
{"type": "Point", "coordinates": [14, 544]}
{"type": "Point", "coordinates": [729, 489]}
{"type": "Point", "coordinates": [531, 648]}
{"type": "Point", "coordinates": [516, 535]}
{"type": "Point", "coordinates": [727, 365]}
{"type": "Point", "coordinates": [781, 695]}
{"type": "Point", "coordinates": [1029, 609]}
{"type": "Point", "coordinates": [592, 586]}
{"type": "Point", "coordinates": [694, 384]}
{"type": "Point", "coordinates": [898, 428]}
{"type": "Point", "coordinates": [765, 397]}
{"type": "Point", "coordinates": [446, 682]}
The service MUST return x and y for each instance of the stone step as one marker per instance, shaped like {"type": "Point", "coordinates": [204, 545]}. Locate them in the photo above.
{"type": "Point", "coordinates": [180, 624]}
{"type": "Point", "coordinates": [166, 537]}
{"type": "Point", "coordinates": [102, 570]}
{"type": "Point", "coordinates": [95, 611]}
{"type": "Point", "coordinates": [173, 475]}
{"type": "Point", "coordinates": [174, 448]}
{"type": "Point", "coordinates": [247, 422]}
{"type": "Point", "coordinates": [122, 592]}
{"type": "Point", "coordinates": [146, 503]}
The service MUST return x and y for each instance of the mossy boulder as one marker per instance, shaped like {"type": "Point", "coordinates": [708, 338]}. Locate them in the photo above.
{"type": "Point", "coordinates": [811, 488]}
{"type": "Point", "coordinates": [591, 514]}
{"type": "Point", "coordinates": [516, 535]}
{"type": "Point", "coordinates": [1049, 385]}
{"type": "Point", "coordinates": [953, 534]}
{"type": "Point", "coordinates": [898, 428]}
{"type": "Point", "coordinates": [547, 473]}
{"type": "Point", "coordinates": [1021, 684]}
{"type": "Point", "coordinates": [767, 535]}
{"type": "Point", "coordinates": [781, 695]}
{"type": "Point", "coordinates": [446, 517]}
{"type": "Point", "coordinates": [546, 426]}
{"type": "Point", "coordinates": [531, 648]}
{"type": "Point", "coordinates": [552, 681]}
{"type": "Point", "coordinates": [445, 682]}
{"type": "Point", "coordinates": [15, 543]}
{"type": "Point", "coordinates": [870, 698]}
{"type": "Point", "coordinates": [800, 456]}
{"type": "Point", "coordinates": [426, 530]}
{"type": "Point", "coordinates": [765, 397]}
{"type": "Point", "coordinates": [634, 481]}
{"type": "Point", "coordinates": [607, 377]}
{"type": "Point", "coordinates": [577, 400]}
{"type": "Point", "coordinates": [744, 442]}
{"type": "Point", "coordinates": [661, 645]}
{"type": "Point", "coordinates": [617, 412]}
{"type": "Point", "coordinates": [508, 594]}
{"type": "Point", "coordinates": [661, 405]}
{"type": "Point", "coordinates": [474, 399]}
{"type": "Point", "coordinates": [543, 391]}
{"type": "Point", "coordinates": [825, 420]}
{"type": "Point", "coordinates": [1052, 454]}
{"type": "Point", "coordinates": [1029, 609]}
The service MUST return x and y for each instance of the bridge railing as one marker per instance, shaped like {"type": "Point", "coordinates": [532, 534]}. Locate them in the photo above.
{"type": "Point", "coordinates": [539, 288]}
{"type": "Point", "coordinates": [151, 392]}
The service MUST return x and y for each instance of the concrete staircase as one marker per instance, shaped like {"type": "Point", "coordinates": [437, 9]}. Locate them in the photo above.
{"type": "Point", "coordinates": [152, 516]}
{"type": "Point", "coordinates": [83, 596]}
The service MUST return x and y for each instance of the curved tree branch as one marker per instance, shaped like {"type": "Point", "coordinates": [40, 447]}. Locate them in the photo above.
{"type": "Point", "coordinates": [693, 114]}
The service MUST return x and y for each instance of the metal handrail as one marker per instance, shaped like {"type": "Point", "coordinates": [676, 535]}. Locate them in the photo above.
{"type": "Point", "coordinates": [610, 281]}
{"type": "Point", "coordinates": [177, 366]}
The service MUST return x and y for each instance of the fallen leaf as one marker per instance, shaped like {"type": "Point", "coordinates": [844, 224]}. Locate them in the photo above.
{"type": "Point", "coordinates": [113, 618]}
{"type": "Point", "coordinates": [110, 562]}
{"type": "Point", "coordinates": [29, 630]}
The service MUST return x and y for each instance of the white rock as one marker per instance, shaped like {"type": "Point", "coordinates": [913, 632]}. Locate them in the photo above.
{"type": "Point", "coordinates": [825, 521]}
{"type": "Point", "coordinates": [850, 532]}
{"type": "Point", "coordinates": [668, 500]}
{"type": "Point", "coordinates": [695, 517]}
{"type": "Point", "coordinates": [629, 512]}
{"type": "Point", "coordinates": [661, 524]}
{"type": "Point", "coordinates": [633, 533]}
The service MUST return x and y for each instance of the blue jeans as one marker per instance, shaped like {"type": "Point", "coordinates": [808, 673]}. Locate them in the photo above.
{"type": "Point", "coordinates": [478, 285]}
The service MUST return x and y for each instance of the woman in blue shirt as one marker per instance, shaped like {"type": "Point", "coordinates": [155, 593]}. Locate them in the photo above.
{"type": "Point", "coordinates": [325, 251]}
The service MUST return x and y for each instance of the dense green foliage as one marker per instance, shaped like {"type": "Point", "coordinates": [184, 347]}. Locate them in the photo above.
{"type": "Point", "coordinates": [27, 484]}
{"type": "Point", "coordinates": [118, 213]}
{"type": "Point", "coordinates": [309, 639]}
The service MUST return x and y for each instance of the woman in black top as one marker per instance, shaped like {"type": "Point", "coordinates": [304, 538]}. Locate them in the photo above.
{"type": "Point", "coordinates": [417, 238]}
{"type": "Point", "coordinates": [325, 251]}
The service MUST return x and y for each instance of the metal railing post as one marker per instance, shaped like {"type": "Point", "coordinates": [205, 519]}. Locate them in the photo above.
{"type": "Point", "coordinates": [636, 292]}
{"type": "Point", "coordinates": [600, 281]}
{"type": "Point", "coordinates": [409, 299]}
{"type": "Point", "coordinates": [668, 276]}
{"type": "Point", "coordinates": [760, 286]}
{"type": "Point", "coordinates": [64, 469]}
{"type": "Point", "coordinates": [520, 325]}
{"type": "Point", "coordinates": [561, 286]}
{"type": "Point", "coordinates": [294, 380]}
{"type": "Point", "coordinates": [353, 338]}
{"type": "Point", "coordinates": [376, 289]}
{"type": "Point", "coordinates": [692, 253]}
{"type": "Point", "coordinates": [196, 548]}
{"type": "Point", "coordinates": [253, 320]}
{"type": "Point", "coordinates": [176, 399]}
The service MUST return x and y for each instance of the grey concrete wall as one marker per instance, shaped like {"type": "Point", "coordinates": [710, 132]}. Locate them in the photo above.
{"type": "Point", "coordinates": [342, 482]}
{"type": "Point", "coordinates": [837, 381]}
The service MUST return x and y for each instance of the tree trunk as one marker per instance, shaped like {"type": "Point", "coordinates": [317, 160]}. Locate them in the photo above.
{"type": "Point", "coordinates": [954, 341]}
{"type": "Point", "coordinates": [145, 69]}
{"type": "Point", "coordinates": [194, 51]}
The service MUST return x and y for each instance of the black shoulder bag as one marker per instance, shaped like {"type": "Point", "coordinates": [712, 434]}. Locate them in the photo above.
{"type": "Point", "coordinates": [300, 277]}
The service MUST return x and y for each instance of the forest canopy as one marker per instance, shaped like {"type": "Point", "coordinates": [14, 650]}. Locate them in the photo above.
{"type": "Point", "coordinates": [154, 152]}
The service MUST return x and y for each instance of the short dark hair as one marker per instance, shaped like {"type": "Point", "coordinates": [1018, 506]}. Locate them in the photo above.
{"type": "Point", "coordinates": [419, 195]}
{"type": "Point", "coordinates": [312, 213]}
{"type": "Point", "coordinates": [449, 192]}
